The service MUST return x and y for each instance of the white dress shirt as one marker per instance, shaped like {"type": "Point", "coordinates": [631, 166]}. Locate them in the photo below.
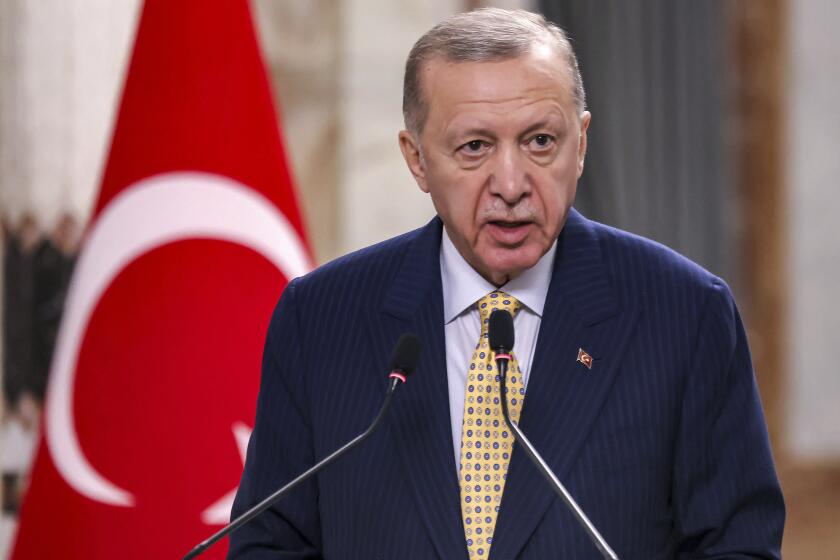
{"type": "Point", "coordinates": [462, 288]}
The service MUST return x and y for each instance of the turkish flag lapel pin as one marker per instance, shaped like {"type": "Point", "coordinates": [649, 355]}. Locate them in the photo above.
{"type": "Point", "coordinates": [584, 358]}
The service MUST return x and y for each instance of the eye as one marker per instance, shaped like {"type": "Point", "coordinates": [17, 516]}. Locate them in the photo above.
{"type": "Point", "coordinates": [474, 147]}
{"type": "Point", "coordinates": [541, 142]}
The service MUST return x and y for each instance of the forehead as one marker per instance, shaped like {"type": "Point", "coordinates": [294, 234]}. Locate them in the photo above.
{"type": "Point", "coordinates": [453, 90]}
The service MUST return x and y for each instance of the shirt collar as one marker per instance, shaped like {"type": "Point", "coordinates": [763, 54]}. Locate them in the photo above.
{"type": "Point", "coordinates": [463, 286]}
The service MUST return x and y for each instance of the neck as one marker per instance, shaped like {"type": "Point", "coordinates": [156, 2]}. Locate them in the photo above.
{"type": "Point", "coordinates": [496, 278]}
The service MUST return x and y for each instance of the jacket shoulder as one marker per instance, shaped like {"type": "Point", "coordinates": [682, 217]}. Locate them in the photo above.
{"type": "Point", "coordinates": [365, 271]}
{"type": "Point", "coordinates": [637, 260]}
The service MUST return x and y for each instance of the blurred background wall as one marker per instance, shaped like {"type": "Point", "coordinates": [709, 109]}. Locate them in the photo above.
{"type": "Point", "coordinates": [715, 127]}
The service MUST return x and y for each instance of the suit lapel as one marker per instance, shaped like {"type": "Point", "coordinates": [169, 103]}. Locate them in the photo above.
{"type": "Point", "coordinates": [420, 414]}
{"type": "Point", "coordinates": [564, 397]}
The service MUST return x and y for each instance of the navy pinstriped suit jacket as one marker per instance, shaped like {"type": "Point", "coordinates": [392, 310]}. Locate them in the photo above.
{"type": "Point", "coordinates": [662, 442]}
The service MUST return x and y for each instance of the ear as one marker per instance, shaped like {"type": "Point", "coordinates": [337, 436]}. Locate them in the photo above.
{"type": "Point", "coordinates": [410, 147]}
{"type": "Point", "coordinates": [582, 142]}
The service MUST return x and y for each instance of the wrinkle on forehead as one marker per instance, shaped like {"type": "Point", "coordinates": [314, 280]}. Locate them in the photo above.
{"type": "Point", "coordinates": [495, 87]}
{"type": "Point", "coordinates": [507, 118]}
{"type": "Point", "coordinates": [514, 103]}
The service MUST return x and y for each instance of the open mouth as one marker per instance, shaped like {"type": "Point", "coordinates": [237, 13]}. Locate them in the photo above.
{"type": "Point", "coordinates": [509, 233]}
{"type": "Point", "coordinates": [509, 225]}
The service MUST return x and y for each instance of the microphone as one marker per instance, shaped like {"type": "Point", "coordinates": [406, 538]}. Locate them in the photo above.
{"type": "Point", "coordinates": [404, 360]}
{"type": "Point", "coordinates": [501, 335]}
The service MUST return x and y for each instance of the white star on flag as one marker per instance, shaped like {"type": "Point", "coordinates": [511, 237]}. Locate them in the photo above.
{"type": "Point", "coordinates": [219, 512]}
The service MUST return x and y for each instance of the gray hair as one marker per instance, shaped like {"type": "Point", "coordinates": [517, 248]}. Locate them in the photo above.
{"type": "Point", "coordinates": [485, 35]}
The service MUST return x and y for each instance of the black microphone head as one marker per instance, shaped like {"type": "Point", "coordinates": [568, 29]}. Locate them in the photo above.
{"type": "Point", "coordinates": [406, 354]}
{"type": "Point", "coordinates": [500, 331]}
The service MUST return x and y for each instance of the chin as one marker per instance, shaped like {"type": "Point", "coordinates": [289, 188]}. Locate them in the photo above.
{"type": "Point", "coordinates": [511, 262]}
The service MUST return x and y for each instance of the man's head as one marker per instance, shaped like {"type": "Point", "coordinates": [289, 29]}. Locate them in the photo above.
{"type": "Point", "coordinates": [496, 133]}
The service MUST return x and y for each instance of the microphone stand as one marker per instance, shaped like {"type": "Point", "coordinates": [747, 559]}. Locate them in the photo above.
{"type": "Point", "coordinates": [397, 379]}
{"type": "Point", "coordinates": [502, 359]}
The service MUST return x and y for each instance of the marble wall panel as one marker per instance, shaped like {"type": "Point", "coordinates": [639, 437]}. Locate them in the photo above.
{"type": "Point", "coordinates": [813, 353]}
{"type": "Point", "coordinates": [302, 48]}
{"type": "Point", "coordinates": [61, 64]}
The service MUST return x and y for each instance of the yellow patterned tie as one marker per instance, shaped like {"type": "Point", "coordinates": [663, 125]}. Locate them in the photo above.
{"type": "Point", "coordinates": [486, 442]}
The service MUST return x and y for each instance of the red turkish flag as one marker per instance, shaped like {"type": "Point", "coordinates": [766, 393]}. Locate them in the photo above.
{"type": "Point", "coordinates": [195, 233]}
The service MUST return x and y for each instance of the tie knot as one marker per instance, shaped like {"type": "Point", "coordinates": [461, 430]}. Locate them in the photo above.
{"type": "Point", "coordinates": [496, 300]}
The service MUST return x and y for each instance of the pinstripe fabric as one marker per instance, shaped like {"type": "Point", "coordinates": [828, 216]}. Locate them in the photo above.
{"type": "Point", "coordinates": [662, 442]}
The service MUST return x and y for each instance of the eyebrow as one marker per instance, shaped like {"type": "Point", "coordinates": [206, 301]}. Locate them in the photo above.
{"type": "Point", "coordinates": [474, 132]}
{"type": "Point", "coordinates": [546, 123]}
{"type": "Point", "coordinates": [535, 126]}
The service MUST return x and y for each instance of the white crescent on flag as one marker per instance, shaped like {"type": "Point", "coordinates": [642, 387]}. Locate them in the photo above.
{"type": "Point", "coordinates": [152, 212]}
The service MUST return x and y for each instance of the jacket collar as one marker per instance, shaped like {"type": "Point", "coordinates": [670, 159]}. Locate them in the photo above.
{"type": "Point", "coordinates": [579, 277]}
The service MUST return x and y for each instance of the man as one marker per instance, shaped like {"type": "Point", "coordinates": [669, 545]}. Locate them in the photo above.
{"type": "Point", "coordinates": [637, 383]}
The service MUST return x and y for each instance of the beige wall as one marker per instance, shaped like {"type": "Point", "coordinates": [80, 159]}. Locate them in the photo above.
{"type": "Point", "coordinates": [61, 64]}
{"type": "Point", "coordinates": [337, 72]}
{"type": "Point", "coordinates": [814, 245]}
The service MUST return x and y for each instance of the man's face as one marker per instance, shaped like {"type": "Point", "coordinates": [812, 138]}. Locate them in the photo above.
{"type": "Point", "coordinates": [500, 154]}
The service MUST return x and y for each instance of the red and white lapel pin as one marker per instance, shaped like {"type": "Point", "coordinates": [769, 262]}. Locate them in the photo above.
{"type": "Point", "coordinates": [584, 358]}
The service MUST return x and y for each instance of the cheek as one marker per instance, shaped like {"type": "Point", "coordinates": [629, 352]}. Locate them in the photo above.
{"type": "Point", "coordinates": [456, 197]}
{"type": "Point", "coordinates": [557, 188]}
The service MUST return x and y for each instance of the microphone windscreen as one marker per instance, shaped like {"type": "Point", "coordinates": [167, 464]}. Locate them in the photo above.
{"type": "Point", "coordinates": [500, 331]}
{"type": "Point", "coordinates": [406, 354]}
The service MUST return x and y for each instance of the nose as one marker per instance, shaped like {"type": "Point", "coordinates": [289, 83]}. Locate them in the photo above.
{"type": "Point", "coordinates": [509, 179]}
